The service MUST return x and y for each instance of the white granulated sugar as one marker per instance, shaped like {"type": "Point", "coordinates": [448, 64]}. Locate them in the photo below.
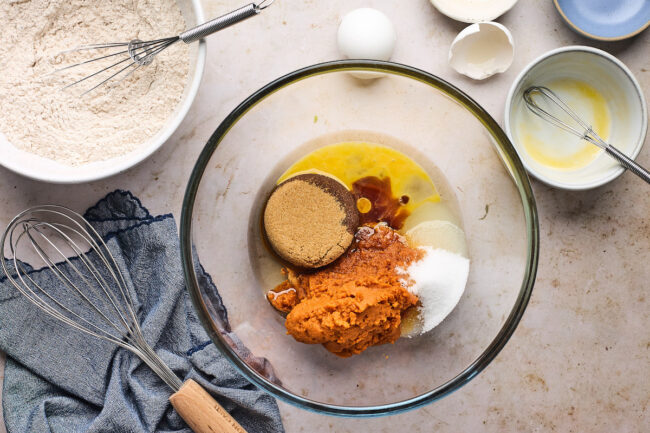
{"type": "Point", "coordinates": [37, 117]}
{"type": "Point", "coordinates": [438, 280]}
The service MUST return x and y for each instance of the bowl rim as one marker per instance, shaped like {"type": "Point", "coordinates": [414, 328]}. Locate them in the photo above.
{"type": "Point", "coordinates": [507, 5]}
{"type": "Point", "coordinates": [170, 126]}
{"type": "Point", "coordinates": [512, 164]}
{"type": "Point", "coordinates": [576, 28]}
{"type": "Point", "coordinates": [626, 71]}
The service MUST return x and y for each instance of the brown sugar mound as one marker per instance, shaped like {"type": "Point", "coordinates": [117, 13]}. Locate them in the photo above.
{"type": "Point", "coordinates": [310, 220]}
{"type": "Point", "coordinates": [355, 303]}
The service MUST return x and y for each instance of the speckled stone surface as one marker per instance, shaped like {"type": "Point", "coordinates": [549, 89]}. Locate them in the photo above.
{"type": "Point", "coordinates": [580, 359]}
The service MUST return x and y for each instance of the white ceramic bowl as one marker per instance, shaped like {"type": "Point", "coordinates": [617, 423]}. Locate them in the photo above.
{"type": "Point", "coordinates": [47, 170]}
{"type": "Point", "coordinates": [473, 11]}
{"type": "Point", "coordinates": [625, 101]}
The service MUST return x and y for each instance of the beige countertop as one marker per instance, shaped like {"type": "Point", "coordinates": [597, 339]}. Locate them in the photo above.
{"type": "Point", "coordinates": [580, 358]}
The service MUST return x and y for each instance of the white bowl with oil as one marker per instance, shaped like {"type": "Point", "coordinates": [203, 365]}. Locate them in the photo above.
{"type": "Point", "coordinates": [603, 91]}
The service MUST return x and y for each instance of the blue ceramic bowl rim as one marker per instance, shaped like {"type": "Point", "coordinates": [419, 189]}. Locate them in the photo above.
{"type": "Point", "coordinates": [579, 30]}
{"type": "Point", "coordinates": [513, 165]}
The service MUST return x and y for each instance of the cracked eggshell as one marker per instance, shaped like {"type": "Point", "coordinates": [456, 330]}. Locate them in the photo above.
{"type": "Point", "coordinates": [482, 50]}
{"type": "Point", "coordinates": [473, 11]}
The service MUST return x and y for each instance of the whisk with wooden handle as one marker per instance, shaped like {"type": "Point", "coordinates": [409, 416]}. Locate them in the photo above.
{"type": "Point", "coordinates": [92, 296]}
{"type": "Point", "coordinates": [580, 128]}
{"type": "Point", "coordinates": [131, 56]}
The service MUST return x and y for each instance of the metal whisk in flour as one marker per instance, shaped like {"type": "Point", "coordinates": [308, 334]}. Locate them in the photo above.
{"type": "Point", "coordinates": [35, 116]}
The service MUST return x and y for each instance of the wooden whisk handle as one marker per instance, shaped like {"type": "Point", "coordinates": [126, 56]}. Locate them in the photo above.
{"type": "Point", "coordinates": [201, 412]}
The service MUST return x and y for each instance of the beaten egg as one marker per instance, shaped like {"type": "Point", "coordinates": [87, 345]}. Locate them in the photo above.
{"type": "Point", "coordinates": [554, 148]}
{"type": "Point", "coordinates": [351, 161]}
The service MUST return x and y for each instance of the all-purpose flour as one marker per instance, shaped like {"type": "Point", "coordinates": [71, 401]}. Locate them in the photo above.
{"type": "Point", "coordinates": [37, 117]}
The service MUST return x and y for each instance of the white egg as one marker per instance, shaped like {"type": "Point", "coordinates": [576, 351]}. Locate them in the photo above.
{"type": "Point", "coordinates": [482, 50]}
{"type": "Point", "coordinates": [366, 33]}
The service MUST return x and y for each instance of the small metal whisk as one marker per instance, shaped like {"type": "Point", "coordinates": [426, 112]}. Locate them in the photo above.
{"type": "Point", "coordinates": [135, 54]}
{"type": "Point", "coordinates": [580, 129]}
{"type": "Point", "coordinates": [90, 294]}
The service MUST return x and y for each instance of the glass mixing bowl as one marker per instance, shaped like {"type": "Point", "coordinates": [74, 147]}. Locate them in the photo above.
{"type": "Point", "coordinates": [435, 124]}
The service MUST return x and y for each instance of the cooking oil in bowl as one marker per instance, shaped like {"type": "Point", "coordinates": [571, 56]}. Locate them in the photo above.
{"type": "Point", "coordinates": [554, 148]}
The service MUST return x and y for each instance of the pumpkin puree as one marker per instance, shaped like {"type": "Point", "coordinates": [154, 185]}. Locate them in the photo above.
{"type": "Point", "coordinates": [356, 302]}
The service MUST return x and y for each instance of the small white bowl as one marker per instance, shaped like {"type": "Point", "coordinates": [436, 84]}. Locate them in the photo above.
{"type": "Point", "coordinates": [473, 11]}
{"type": "Point", "coordinates": [47, 170]}
{"type": "Point", "coordinates": [625, 101]}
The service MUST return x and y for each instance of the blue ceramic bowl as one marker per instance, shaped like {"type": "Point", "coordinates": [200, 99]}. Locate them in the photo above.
{"type": "Point", "coordinates": [606, 20]}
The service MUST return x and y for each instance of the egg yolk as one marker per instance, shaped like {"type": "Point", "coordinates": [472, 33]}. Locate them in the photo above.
{"type": "Point", "coordinates": [351, 161]}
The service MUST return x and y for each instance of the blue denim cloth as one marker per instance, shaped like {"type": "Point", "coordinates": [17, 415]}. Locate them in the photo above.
{"type": "Point", "coordinates": [60, 380]}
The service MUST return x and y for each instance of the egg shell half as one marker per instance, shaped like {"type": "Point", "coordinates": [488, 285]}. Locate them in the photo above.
{"type": "Point", "coordinates": [482, 50]}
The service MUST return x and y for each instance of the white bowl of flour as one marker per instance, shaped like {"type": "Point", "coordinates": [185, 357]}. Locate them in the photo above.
{"type": "Point", "coordinates": [57, 136]}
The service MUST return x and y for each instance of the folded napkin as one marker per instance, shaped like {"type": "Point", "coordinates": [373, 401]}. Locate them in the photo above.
{"type": "Point", "coordinates": [60, 380]}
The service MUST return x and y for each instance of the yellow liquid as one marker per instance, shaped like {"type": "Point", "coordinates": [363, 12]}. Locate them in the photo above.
{"type": "Point", "coordinates": [555, 148]}
{"type": "Point", "coordinates": [350, 161]}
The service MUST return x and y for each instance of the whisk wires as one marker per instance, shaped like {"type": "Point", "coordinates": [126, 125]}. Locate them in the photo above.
{"type": "Point", "coordinates": [136, 54]}
{"type": "Point", "coordinates": [139, 53]}
{"type": "Point", "coordinates": [92, 295]}
{"type": "Point", "coordinates": [535, 94]}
